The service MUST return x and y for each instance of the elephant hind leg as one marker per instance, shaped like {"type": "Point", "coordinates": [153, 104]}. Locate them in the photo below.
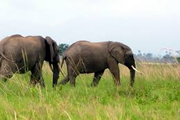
{"type": "Point", "coordinates": [68, 78]}
{"type": "Point", "coordinates": [4, 77]}
{"type": "Point", "coordinates": [65, 80]}
{"type": "Point", "coordinates": [97, 77]}
{"type": "Point", "coordinates": [72, 80]}
{"type": "Point", "coordinates": [36, 75]}
{"type": "Point", "coordinates": [71, 76]}
{"type": "Point", "coordinates": [5, 72]}
{"type": "Point", "coordinates": [114, 69]}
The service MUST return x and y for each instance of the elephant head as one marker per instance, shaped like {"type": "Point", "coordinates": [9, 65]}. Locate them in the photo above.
{"type": "Point", "coordinates": [52, 57]}
{"type": "Point", "coordinates": [123, 54]}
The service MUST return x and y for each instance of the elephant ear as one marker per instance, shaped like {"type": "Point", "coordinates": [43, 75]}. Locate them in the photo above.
{"type": "Point", "coordinates": [116, 50]}
{"type": "Point", "coordinates": [50, 42]}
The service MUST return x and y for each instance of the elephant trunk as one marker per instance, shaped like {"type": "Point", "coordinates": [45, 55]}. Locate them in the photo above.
{"type": "Point", "coordinates": [132, 73]}
{"type": "Point", "coordinates": [55, 73]}
{"type": "Point", "coordinates": [130, 63]}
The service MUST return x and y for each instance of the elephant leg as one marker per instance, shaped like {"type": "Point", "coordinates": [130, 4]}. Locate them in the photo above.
{"type": "Point", "coordinates": [68, 78]}
{"type": "Point", "coordinates": [114, 69]}
{"type": "Point", "coordinates": [71, 76]}
{"type": "Point", "coordinates": [4, 77]}
{"type": "Point", "coordinates": [65, 80]}
{"type": "Point", "coordinates": [5, 71]}
{"type": "Point", "coordinates": [72, 80]}
{"type": "Point", "coordinates": [97, 77]}
{"type": "Point", "coordinates": [36, 76]}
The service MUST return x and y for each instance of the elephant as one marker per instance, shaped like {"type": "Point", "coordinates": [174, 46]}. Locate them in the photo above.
{"type": "Point", "coordinates": [19, 54]}
{"type": "Point", "coordinates": [89, 57]}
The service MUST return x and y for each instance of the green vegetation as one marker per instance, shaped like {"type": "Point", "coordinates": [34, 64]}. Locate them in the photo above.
{"type": "Point", "coordinates": [156, 95]}
{"type": "Point", "coordinates": [62, 48]}
{"type": "Point", "coordinates": [178, 59]}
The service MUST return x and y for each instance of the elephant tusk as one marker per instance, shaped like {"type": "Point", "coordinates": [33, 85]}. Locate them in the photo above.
{"type": "Point", "coordinates": [136, 69]}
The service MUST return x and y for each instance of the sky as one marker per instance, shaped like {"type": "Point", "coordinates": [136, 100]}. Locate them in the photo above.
{"type": "Point", "coordinates": [146, 25]}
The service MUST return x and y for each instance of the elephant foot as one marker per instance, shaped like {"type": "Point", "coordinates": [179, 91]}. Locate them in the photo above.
{"type": "Point", "coordinates": [63, 82]}
{"type": "Point", "coordinates": [94, 84]}
{"type": "Point", "coordinates": [117, 83]}
{"type": "Point", "coordinates": [4, 79]}
{"type": "Point", "coordinates": [34, 82]}
{"type": "Point", "coordinates": [73, 85]}
{"type": "Point", "coordinates": [131, 85]}
{"type": "Point", "coordinates": [42, 84]}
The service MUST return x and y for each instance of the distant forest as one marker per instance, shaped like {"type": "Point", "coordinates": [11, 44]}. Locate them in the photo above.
{"type": "Point", "coordinates": [150, 58]}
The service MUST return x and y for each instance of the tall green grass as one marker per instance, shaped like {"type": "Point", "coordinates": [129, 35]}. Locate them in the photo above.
{"type": "Point", "coordinates": [156, 95]}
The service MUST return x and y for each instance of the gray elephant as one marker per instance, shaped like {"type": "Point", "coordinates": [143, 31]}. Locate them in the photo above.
{"type": "Point", "coordinates": [20, 54]}
{"type": "Point", "coordinates": [88, 57]}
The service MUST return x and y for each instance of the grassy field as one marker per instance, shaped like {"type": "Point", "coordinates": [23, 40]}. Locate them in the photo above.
{"type": "Point", "coordinates": [155, 96]}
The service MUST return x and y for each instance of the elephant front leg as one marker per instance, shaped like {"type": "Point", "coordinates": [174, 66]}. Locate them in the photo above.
{"type": "Point", "coordinates": [97, 77]}
{"type": "Point", "coordinates": [114, 69]}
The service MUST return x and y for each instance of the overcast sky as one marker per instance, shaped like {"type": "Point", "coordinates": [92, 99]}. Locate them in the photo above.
{"type": "Point", "coordinates": [146, 25]}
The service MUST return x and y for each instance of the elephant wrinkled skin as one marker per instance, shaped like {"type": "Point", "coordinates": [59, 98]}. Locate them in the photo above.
{"type": "Point", "coordinates": [21, 54]}
{"type": "Point", "coordinates": [88, 57]}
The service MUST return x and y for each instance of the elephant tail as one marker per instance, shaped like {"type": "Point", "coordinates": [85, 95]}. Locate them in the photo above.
{"type": "Point", "coordinates": [63, 58]}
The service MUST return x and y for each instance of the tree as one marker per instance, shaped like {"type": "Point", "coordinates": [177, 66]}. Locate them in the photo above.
{"type": "Point", "coordinates": [149, 55]}
{"type": "Point", "coordinates": [178, 59]}
{"type": "Point", "coordinates": [62, 48]}
{"type": "Point", "coordinates": [139, 53]}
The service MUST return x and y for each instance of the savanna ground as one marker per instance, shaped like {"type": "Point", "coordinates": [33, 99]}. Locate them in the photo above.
{"type": "Point", "coordinates": [156, 95]}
